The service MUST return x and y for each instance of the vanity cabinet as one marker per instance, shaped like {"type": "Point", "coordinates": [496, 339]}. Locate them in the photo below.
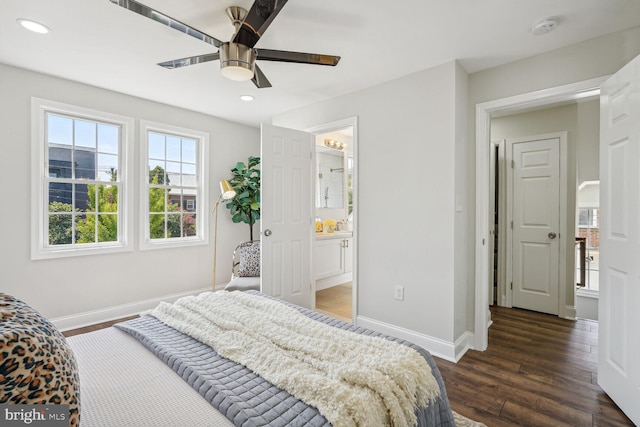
{"type": "Point", "coordinates": [333, 260]}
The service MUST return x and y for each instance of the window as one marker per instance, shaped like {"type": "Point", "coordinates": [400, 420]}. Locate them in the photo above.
{"type": "Point", "coordinates": [173, 186]}
{"type": "Point", "coordinates": [79, 191]}
{"type": "Point", "coordinates": [588, 217]}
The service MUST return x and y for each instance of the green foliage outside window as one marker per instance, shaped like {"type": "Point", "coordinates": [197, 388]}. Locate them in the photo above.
{"type": "Point", "coordinates": [176, 227]}
{"type": "Point", "coordinates": [107, 217]}
{"type": "Point", "coordinates": [60, 225]}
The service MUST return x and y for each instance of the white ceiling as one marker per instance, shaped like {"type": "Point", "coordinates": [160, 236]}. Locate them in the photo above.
{"type": "Point", "coordinates": [101, 44]}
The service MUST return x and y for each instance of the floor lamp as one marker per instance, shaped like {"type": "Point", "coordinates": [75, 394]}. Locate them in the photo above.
{"type": "Point", "coordinates": [226, 193]}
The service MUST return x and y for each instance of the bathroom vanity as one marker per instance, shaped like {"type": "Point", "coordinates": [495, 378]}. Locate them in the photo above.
{"type": "Point", "coordinates": [333, 258]}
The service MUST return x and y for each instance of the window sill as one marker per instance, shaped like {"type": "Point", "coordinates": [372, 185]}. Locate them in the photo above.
{"type": "Point", "coordinates": [169, 244]}
{"type": "Point", "coordinates": [41, 253]}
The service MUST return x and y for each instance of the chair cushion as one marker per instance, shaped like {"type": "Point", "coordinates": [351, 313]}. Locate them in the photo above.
{"type": "Point", "coordinates": [249, 260]}
{"type": "Point", "coordinates": [243, 284]}
{"type": "Point", "coordinates": [37, 366]}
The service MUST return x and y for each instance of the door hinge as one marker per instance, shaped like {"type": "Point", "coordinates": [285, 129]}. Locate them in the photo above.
{"type": "Point", "coordinates": [512, 225]}
{"type": "Point", "coordinates": [513, 164]}
{"type": "Point", "coordinates": [511, 285]}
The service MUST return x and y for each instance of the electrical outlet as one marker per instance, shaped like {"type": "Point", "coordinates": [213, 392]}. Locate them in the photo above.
{"type": "Point", "coordinates": [398, 293]}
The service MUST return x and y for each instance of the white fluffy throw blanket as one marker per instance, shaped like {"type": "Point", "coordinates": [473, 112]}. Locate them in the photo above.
{"type": "Point", "coordinates": [352, 379]}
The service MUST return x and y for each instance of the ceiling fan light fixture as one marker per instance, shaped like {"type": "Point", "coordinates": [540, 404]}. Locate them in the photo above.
{"type": "Point", "coordinates": [236, 61]}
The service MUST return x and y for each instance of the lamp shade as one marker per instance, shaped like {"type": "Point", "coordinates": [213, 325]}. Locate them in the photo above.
{"type": "Point", "coordinates": [227, 190]}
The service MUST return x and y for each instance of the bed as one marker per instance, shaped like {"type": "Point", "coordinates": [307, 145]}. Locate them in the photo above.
{"type": "Point", "coordinates": [145, 373]}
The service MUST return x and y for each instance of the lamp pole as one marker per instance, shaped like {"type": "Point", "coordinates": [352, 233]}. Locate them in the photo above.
{"type": "Point", "coordinates": [226, 193]}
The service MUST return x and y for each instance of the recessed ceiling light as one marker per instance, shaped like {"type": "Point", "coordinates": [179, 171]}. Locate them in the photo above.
{"type": "Point", "coordinates": [246, 98]}
{"type": "Point", "coordinates": [34, 26]}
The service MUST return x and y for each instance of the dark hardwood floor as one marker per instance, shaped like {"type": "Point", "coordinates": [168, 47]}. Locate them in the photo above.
{"type": "Point", "coordinates": [539, 370]}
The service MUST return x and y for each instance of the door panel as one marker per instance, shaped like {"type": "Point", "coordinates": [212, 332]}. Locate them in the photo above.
{"type": "Point", "coordinates": [286, 214]}
{"type": "Point", "coordinates": [619, 330]}
{"type": "Point", "coordinates": [535, 182]}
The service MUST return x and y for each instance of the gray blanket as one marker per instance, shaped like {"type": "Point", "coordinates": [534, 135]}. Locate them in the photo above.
{"type": "Point", "coordinates": [246, 398]}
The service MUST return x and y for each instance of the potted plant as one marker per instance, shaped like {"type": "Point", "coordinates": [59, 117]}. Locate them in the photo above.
{"type": "Point", "coordinates": [245, 207]}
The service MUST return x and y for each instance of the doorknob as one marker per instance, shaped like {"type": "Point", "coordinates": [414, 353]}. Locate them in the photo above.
{"type": "Point", "coordinates": [267, 233]}
{"type": "Point", "coordinates": [552, 235]}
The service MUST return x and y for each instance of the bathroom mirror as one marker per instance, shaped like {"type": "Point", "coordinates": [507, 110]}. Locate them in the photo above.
{"type": "Point", "coordinates": [330, 178]}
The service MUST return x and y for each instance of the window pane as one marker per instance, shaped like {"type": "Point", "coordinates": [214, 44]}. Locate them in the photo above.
{"type": "Point", "coordinates": [59, 130]}
{"type": "Point", "coordinates": [156, 146]}
{"type": "Point", "coordinates": [60, 162]}
{"type": "Point", "coordinates": [107, 167]}
{"type": "Point", "coordinates": [188, 150]}
{"type": "Point", "coordinates": [80, 152]}
{"type": "Point", "coordinates": [180, 167]}
{"type": "Point", "coordinates": [108, 198]}
{"type": "Point", "coordinates": [189, 178]}
{"type": "Point", "coordinates": [156, 226]}
{"type": "Point", "coordinates": [85, 163]}
{"type": "Point", "coordinates": [157, 200]}
{"type": "Point", "coordinates": [189, 224]}
{"type": "Point", "coordinates": [173, 148]}
{"type": "Point", "coordinates": [60, 229]}
{"type": "Point", "coordinates": [108, 138]}
{"type": "Point", "coordinates": [85, 134]}
{"type": "Point", "coordinates": [156, 172]}
{"type": "Point", "coordinates": [175, 201]}
{"type": "Point", "coordinates": [583, 217]}
{"type": "Point", "coordinates": [60, 193]}
{"type": "Point", "coordinates": [83, 199]}
{"type": "Point", "coordinates": [174, 228]}
{"type": "Point", "coordinates": [85, 228]}
{"type": "Point", "coordinates": [173, 173]}
{"type": "Point", "coordinates": [107, 228]}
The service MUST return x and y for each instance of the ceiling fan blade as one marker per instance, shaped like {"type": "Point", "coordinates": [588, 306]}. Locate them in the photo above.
{"type": "Point", "coordinates": [191, 60]}
{"type": "Point", "coordinates": [147, 12]}
{"type": "Point", "coordinates": [298, 57]}
{"type": "Point", "coordinates": [259, 78]}
{"type": "Point", "coordinates": [258, 19]}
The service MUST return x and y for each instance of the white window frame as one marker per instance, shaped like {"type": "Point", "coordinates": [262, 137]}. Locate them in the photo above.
{"type": "Point", "coordinates": [40, 248]}
{"type": "Point", "coordinates": [202, 204]}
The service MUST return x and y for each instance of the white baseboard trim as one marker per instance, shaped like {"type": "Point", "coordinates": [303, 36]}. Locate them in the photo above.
{"type": "Point", "coordinates": [570, 312]}
{"type": "Point", "coordinates": [464, 343]}
{"type": "Point", "coordinates": [436, 346]}
{"type": "Point", "coordinates": [89, 318]}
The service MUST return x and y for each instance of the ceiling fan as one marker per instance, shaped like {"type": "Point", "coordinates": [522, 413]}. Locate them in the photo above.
{"type": "Point", "coordinates": [237, 57]}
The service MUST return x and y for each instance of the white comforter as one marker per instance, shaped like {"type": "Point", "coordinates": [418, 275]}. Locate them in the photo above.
{"type": "Point", "coordinates": [352, 379]}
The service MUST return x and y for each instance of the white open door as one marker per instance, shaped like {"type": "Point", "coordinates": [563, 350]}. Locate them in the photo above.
{"type": "Point", "coordinates": [286, 215]}
{"type": "Point", "coordinates": [619, 303]}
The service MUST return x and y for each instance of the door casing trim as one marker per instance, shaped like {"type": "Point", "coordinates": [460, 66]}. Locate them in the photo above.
{"type": "Point", "coordinates": [483, 141]}
{"type": "Point", "coordinates": [330, 127]}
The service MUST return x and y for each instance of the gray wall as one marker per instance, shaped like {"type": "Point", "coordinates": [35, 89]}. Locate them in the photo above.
{"type": "Point", "coordinates": [89, 288]}
{"type": "Point", "coordinates": [410, 136]}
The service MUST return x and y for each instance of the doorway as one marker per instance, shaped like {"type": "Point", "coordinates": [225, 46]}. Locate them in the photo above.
{"type": "Point", "coordinates": [484, 218]}
{"type": "Point", "coordinates": [334, 254]}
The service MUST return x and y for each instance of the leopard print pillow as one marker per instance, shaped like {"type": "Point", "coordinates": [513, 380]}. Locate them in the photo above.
{"type": "Point", "coordinates": [37, 366]}
{"type": "Point", "coordinates": [249, 259]}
